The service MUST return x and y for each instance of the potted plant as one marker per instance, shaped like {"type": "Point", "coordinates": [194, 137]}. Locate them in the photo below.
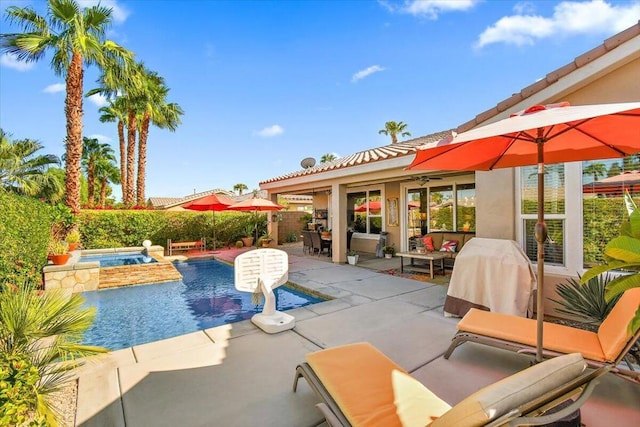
{"type": "Point", "coordinates": [73, 239]}
{"type": "Point", "coordinates": [265, 240]}
{"type": "Point", "coordinates": [352, 257]}
{"type": "Point", "coordinates": [389, 251]}
{"type": "Point", "coordinates": [58, 252]}
{"type": "Point", "coordinates": [247, 240]}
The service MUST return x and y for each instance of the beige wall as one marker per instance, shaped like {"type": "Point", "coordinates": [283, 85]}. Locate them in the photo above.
{"type": "Point", "coordinates": [495, 204]}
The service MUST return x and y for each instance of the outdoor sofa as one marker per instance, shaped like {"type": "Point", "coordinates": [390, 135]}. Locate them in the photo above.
{"type": "Point", "coordinates": [360, 386]}
{"type": "Point", "coordinates": [438, 237]}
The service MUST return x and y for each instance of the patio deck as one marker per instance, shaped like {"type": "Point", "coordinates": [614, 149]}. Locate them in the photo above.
{"type": "Point", "coordinates": [236, 375]}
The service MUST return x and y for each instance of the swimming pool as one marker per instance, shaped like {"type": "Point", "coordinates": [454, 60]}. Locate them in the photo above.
{"type": "Point", "coordinates": [119, 259]}
{"type": "Point", "coordinates": [204, 298]}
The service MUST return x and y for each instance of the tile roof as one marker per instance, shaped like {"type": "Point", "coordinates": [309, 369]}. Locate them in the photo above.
{"type": "Point", "coordinates": [386, 152]}
{"type": "Point", "coordinates": [167, 202]}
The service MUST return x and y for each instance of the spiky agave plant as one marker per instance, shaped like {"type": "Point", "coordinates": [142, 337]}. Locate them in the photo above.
{"type": "Point", "coordinates": [586, 301]}
{"type": "Point", "coordinates": [622, 253]}
{"type": "Point", "coordinates": [45, 329]}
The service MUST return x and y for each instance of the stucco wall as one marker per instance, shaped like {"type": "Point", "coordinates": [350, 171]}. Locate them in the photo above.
{"type": "Point", "coordinates": [495, 204]}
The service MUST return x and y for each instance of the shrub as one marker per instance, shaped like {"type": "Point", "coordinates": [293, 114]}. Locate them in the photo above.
{"type": "Point", "coordinates": [25, 231]}
{"type": "Point", "coordinates": [586, 301]}
{"type": "Point", "coordinates": [30, 371]}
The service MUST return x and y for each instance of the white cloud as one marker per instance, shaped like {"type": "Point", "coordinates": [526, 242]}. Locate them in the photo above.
{"type": "Point", "coordinates": [55, 88]}
{"type": "Point", "coordinates": [569, 18]}
{"type": "Point", "coordinates": [429, 8]}
{"type": "Point", "coordinates": [270, 131]}
{"type": "Point", "coordinates": [366, 72]}
{"type": "Point", "coordinates": [99, 100]}
{"type": "Point", "coordinates": [118, 12]}
{"type": "Point", "coordinates": [103, 139]}
{"type": "Point", "coordinates": [11, 61]}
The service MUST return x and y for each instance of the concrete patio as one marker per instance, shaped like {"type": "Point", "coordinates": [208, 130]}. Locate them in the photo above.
{"type": "Point", "coordinates": [237, 375]}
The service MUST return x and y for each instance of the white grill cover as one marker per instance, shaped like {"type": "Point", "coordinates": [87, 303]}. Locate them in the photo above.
{"type": "Point", "coordinates": [491, 274]}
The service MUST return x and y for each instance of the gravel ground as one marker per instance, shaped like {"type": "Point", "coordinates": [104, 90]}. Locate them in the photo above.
{"type": "Point", "coordinates": [65, 402]}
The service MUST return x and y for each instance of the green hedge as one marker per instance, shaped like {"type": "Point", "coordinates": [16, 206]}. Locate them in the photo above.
{"type": "Point", "coordinates": [122, 228]}
{"type": "Point", "coordinates": [25, 231]}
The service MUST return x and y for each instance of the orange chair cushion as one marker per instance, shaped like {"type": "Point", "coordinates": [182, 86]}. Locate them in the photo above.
{"type": "Point", "coordinates": [358, 377]}
{"type": "Point", "coordinates": [556, 337]}
{"type": "Point", "coordinates": [614, 333]}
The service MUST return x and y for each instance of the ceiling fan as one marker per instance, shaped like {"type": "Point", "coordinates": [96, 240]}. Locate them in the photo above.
{"type": "Point", "coordinates": [422, 180]}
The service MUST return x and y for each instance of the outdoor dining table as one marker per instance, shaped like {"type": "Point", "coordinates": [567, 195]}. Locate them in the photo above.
{"type": "Point", "coordinates": [327, 240]}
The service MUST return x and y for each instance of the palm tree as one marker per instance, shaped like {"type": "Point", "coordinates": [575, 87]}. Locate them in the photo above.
{"type": "Point", "coordinates": [93, 152]}
{"type": "Point", "coordinates": [326, 158]}
{"type": "Point", "coordinates": [77, 38]}
{"type": "Point", "coordinates": [240, 187]}
{"type": "Point", "coordinates": [106, 172]}
{"type": "Point", "coordinates": [596, 170]}
{"type": "Point", "coordinates": [152, 101]}
{"type": "Point", "coordinates": [394, 129]}
{"type": "Point", "coordinates": [116, 111]}
{"type": "Point", "coordinates": [21, 170]}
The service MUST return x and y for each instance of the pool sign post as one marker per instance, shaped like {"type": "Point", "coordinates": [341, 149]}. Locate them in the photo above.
{"type": "Point", "coordinates": [264, 269]}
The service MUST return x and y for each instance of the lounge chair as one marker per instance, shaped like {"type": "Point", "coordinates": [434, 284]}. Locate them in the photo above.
{"type": "Point", "coordinates": [608, 346]}
{"type": "Point", "coordinates": [360, 386]}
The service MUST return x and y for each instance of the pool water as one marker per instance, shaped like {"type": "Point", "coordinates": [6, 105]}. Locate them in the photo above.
{"type": "Point", "coordinates": [115, 260]}
{"type": "Point", "coordinates": [204, 298]}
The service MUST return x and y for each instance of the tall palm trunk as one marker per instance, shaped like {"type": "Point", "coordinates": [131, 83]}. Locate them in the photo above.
{"type": "Point", "coordinates": [123, 171]}
{"type": "Point", "coordinates": [394, 138]}
{"type": "Point", "coordinates": [131, 156]}
{"type": "Point", "coordinates": [142, 158]}
{"type": "Point", "coordinates": [91, 182]}
{"type": "Point", "coordinates": [103, 192]}
{"type": "Point", "coordinates": [73, 112]}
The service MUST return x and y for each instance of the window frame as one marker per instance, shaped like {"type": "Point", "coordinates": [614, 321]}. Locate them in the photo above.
{"type": "Point", "coordinates": [382, 215]}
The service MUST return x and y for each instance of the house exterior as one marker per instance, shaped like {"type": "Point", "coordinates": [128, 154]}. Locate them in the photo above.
{"type": "Point", "coordinates": [489, 203]}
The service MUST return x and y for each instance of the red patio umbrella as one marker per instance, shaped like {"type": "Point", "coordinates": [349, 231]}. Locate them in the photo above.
{"type": "Point", "coordinates": [373, 206]}
{"type": "Point", "coordinates": [213, 203]}
{"type": "Point", "coordinates": [540, 134]}
{"type": "Point", "coordinates": [255, 204]}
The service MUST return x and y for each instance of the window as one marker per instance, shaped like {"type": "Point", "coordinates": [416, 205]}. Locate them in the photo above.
{"type": "Point", "coordinates": [364, 211]}
{"type": "Point", "coordinates": [554, 208]}
{"type": "Point", "coordinates": [466, 207]}
{"type": "Point", "coordinates": [441, 208]}
{"type": "Point", "coordinates": [604, 183]}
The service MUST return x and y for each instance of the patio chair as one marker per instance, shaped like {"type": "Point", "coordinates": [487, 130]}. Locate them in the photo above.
{"type": "Point", "coordinates": [360, 386]}
{"type": "Point", "coordinates": [307, 245]}
{"type": "Point", "coordinates": [316, 242]}
{"type": "Point", "coordinates": [608, 346]}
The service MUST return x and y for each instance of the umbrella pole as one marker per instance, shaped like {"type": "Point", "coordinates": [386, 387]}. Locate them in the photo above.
{"type": "Point", "coordinates": [541, 237]}
{"type": "Point", "coordinates": [213, 213]}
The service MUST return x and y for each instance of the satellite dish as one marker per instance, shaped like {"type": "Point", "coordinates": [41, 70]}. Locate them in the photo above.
{"type": "Point", "coordinates": [308, 162]}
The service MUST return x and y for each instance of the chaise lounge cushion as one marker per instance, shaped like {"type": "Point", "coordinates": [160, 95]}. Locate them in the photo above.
{"type": "Point", "coordinates": [603, 346]}
{"type": "Point", "coordinates": [416, 405]}
{"type": "Point", "coordinates": [360, 383]}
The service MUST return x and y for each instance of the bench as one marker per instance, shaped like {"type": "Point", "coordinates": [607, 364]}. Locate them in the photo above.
{"type": "Point", "coordinates": [438, 237]}
{"type": "Point", "coordinates": [185, 246]}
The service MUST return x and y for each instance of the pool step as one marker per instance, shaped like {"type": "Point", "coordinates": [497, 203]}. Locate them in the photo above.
{"type": "Point", "coordinates": [111, 277]}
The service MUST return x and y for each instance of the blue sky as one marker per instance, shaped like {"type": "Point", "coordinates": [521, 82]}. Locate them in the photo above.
{"type": "Point", "coordinates": [265, 84]}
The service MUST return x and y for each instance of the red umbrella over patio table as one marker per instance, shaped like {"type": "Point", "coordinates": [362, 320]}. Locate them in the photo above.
{"type": "Point", "coordinates": [555, 133]}
{"type": "Point", "coordinates": [255, 204]}
{"type": "Point", "coordinates": [213, 203]}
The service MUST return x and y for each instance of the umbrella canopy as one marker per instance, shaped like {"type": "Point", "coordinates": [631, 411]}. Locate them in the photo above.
{"type": "Point", "coordinates": [373, 206]}
{"type": "Point", "coordinates": [255, 204]}
{"type": "Point", "coordinates": [540, 134]}
{"type": "Point", "coordinates": [213, 203]}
